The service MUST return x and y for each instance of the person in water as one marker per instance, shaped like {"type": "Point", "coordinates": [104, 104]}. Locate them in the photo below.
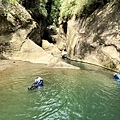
{"type": "Point", "coordinates": [38, 82]}
{"type": "Point", "coordinates": [116, 76]}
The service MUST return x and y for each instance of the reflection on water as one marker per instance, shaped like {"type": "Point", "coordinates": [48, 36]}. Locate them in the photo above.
{"type": "Point", "coordinates": [87, 94]}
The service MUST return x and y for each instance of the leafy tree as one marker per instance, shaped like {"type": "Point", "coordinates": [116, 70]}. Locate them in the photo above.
{"type": "Point", "coordinates": [79, 7]}
{"type": "Point", "coordinates": [36, 8]}
{"type": "Point", "coordinates": [9, 1]}
{"type": "Point", "coordinates": [53, 11]}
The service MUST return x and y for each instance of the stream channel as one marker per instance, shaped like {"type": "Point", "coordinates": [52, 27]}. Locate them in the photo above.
{"type": "Point", "coordinates": [88, 93]}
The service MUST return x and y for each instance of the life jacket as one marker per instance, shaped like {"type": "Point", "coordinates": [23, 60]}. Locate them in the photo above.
{"type": "Point", "coordinates": [117, 76]}
{"type": "Point", "coordinates": [40, 83]}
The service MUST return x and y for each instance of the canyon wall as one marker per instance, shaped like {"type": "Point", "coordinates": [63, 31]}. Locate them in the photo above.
{"type": "Point", "coordinates": [95, 39]}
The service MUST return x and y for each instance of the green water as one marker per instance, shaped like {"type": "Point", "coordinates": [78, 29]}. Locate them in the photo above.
{"type": "Point", "coordinates": [87, 94]}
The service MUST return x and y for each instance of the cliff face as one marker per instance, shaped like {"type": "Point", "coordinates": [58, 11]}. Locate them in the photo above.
{"type": "Point", "coordinates": [16, 27]}
{"type": "Point", "coordinates": [17, 32]}
{"type": "Point", "coordinates": [96, 39]}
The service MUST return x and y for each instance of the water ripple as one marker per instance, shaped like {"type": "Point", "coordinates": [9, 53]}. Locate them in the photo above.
{"type": "Point", "coordinates": [66, 95]}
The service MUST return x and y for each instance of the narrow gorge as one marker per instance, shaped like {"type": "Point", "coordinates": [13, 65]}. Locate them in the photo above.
{"type": "Point", "coordinates": [28, 35]}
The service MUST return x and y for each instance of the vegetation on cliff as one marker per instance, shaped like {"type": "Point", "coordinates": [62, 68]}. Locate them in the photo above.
{"type": "Point", "coordinates": [51, 10]}
{"type": "Point", "coordinates": [9, 1]}
{"type": "Point", "coordinates": [43, 9]}
{"type": "Point", "coordinates": [80, 8]}
{"type": "Point", "coordinates": [48, 12]}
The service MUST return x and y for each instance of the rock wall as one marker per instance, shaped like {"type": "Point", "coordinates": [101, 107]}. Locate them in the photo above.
{"type": "Point", "coordinates": [16, 27]}
{"type": "Point", "coordinates": [96, 39]}
{"type": "Point", "coordinates": [19, 34]}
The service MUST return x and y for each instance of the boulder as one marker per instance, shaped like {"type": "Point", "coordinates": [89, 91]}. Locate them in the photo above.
{"type": "Point", "coordinates": [51, 48]}
{"type": "Point", "coordinates": [31, 52]}
{"type": "Point", "coordinates": [16, 27]}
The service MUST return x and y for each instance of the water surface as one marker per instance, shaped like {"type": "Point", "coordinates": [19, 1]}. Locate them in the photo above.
{"type": "Point", "coordinates": [86, 94]}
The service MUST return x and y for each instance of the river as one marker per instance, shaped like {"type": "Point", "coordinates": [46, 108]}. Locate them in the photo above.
{"type": "Point", "coordinates": [90, 93]}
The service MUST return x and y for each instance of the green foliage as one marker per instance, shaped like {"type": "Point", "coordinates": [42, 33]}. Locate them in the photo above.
{"type": "Point", "coordinates": [9, 1]}
{"type": "Point", "coordinates": [79, 7]}
{"type": "Point", "coordinates": [42, 9]}
{"type": "Point", "coordinates": [36, 8]}
{"type": "Point", "coordinates": [116, 2]}
{"type": "Point", "coordinates": [65, 9]}
{"type": "Point", "coordinates": [68, 8]}
{"type": "Point", "coordinates": [4, 2]}
{"type": "Point", "coordinates": [13, 1]}
{"type": "Point", "coordinates": [54, 13]}
{"type": "Point", "coordinates": [39, 8]}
